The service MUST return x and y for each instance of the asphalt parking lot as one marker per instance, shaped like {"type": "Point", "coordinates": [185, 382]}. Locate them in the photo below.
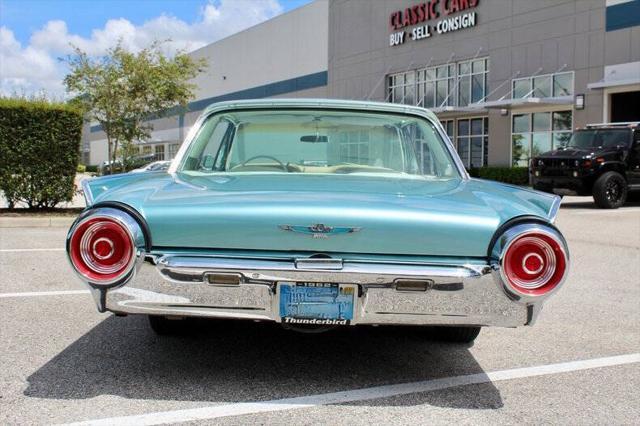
{"type": "Point", "coordinates": [62, 362]}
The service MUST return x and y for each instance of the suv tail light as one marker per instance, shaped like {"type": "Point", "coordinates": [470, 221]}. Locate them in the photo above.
{"type": "Point", "coordinates": [533, 261]}
{"type": "Point", "coordinates": [102, 246]}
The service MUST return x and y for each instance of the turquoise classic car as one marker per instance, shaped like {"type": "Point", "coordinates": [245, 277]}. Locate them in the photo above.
{"type": "Point", "coordinates": [318, 214]}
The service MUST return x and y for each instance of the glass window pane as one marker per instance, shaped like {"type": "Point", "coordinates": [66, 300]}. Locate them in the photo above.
{"type": "Point", "coordinates": [441, 92]}
{"type": "Point", "coordinates": [562, 120]}
{"type": "Point", "coordinates": [450, 128]}
{"type": "Point", "coordinates": [477, 87]}
{"type": "Point", "coordinates": [452, 69]}
{"type": "Point", "coordinates": [486, 125]}
{"type": "Point", "coordinates": [541, 121]}
{"type": "Point", "coordinates": [476, 152]}
{"type": "Point", "coordinates": [430, 73]}
{"type": "Point", "coordinates": [429, 95]}
{"type": "Point", "coordinates": [478, 66]}
{"type": "Point", "coordinates": [409, 77]}
{"type": "Point", "coordinates": [542, 86]}
{"type": "Point", "coordinates": [520, 149]}
{"type": "Point", "coordinates": [541, 143]}
{"type": "Point", "coordinates": [463, 128]}
{"type": "Point", "coordinates": [476, 127]}
{"type": "Point", "coordinates": [464, 86]}
{"type": "Point", "coordinates": [520, 88]}
{"type": "Point", "coordinates": [560, 139]}
{"type": "Point", "coordinates": [485, 153]}
{"type": "Point", "coordinates": [563, 84]}
{"type": "Point", "coordinates": [463, 68]}
{"type": "Point", "coordinates": [397, 94]}
{"type": "Point", "coordinates": [409, 97]}
{"type": "Point", "coordinates": [521, 123]}
{"type": "Point", "coordinates": [463, 150]}
{"type": "Point", "coordinates": [441, 72]}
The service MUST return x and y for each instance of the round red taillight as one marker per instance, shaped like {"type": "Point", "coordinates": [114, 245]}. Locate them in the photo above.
{"type": "Point", "coordinates": [102, 250]}
{"type": "Point", "coordinates": [534, 263]}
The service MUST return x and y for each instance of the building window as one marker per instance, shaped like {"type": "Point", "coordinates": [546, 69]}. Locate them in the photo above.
{"type": "Point", "coordinates": [543, 86]}
{"type": "Point", "coordinates": [472, 141]}
{"type": "Point", "coordinates": [402, 88]}
{"type": "Point", "coordinates": [146, 149]}
{"type": "Point", "coordinates": [460, 83]}
{"type": "Point", "coordinates": [472, 81]}
{"type": "Point", "coordinates": [435, 85]}
{"type": "Point", "coordinates": [159, 152]}
{"type": "Point", "coordinates": [448, 126]}
{"type": "Point", "coordinates": [173, 150]}
{"type": "Point", "coordinates": [535, 133]}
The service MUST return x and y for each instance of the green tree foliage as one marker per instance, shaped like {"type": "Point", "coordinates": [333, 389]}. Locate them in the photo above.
{"type": "Point", "coordinates": [122, 90]}
{"type": "Point", "coordinates": [39, 147]}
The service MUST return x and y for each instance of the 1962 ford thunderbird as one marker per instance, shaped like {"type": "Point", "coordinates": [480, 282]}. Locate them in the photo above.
{"type": "Point", "coordinates": [319, 213]}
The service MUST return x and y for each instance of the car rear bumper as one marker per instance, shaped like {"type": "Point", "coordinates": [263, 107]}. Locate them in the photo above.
{"type": "Point", "coordinates": [445, 294]}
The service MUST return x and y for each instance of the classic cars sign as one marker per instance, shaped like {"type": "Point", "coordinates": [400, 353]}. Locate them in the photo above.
{"type": "Point", "coordinates": [420, 16]}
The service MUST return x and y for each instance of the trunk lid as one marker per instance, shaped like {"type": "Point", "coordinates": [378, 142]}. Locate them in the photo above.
{"type": "Point", "coordinates": [354, 214]}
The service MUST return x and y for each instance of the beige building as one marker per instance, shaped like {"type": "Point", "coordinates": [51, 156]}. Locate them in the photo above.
{"type": "Point", "coordinates": [507, 78]}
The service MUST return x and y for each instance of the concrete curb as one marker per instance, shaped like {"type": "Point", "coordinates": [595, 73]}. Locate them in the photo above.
{"type": "Point", "coordinates": [36, 221]}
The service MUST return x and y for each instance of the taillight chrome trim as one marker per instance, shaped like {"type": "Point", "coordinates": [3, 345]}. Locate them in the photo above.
{"type": "Point", "coordinates": [504, 242]}
{"type": "Point", "coordinates": [134, 233]}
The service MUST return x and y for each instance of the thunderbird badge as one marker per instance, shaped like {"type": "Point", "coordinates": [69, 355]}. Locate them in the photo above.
{"type": "Point", "coordinates": [319, 230]}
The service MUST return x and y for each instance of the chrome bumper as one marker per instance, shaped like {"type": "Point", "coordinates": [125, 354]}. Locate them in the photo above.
{"type": "Point", "coordinates": [453, 295]}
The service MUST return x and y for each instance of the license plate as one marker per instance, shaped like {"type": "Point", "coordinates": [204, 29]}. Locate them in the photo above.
{"type": "Point", "coordinates": [316, 303]}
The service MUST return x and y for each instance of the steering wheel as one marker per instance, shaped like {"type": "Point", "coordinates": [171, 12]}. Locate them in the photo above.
{"type": "Point", "coordinates": [280, 163]}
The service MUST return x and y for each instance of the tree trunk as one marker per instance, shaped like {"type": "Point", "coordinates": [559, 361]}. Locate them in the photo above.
{"type": "Point", "coordinates": [109, 153]}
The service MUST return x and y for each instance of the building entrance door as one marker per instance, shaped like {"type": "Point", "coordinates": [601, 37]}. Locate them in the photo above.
{"type": "Point", "coordinates": [625, 106]}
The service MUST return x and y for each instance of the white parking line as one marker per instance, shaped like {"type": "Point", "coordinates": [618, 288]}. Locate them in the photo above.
{"type": "Point", "coordinates": [226, 410]}
{"type": "Point", "coordinates": [43, 293]}
{"type": "Point", "coordinates": [30, 249]}
{"type": "Point", "coordinates": [605, 211]}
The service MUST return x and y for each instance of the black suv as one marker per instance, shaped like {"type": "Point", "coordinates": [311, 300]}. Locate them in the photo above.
{"type": "Point", "coordinates": [602, 160]}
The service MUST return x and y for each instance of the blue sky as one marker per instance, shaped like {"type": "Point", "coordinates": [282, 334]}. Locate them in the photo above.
{"type": "Point", "coordinates": [35, 33]}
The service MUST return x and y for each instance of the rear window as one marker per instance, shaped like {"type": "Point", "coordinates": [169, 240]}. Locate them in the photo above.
{"type": "Point", "coordinates": [319, 141]}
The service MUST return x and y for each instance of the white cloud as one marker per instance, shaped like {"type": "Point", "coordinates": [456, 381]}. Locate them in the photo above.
{"type": "Point", "coordinates": [36, 67]}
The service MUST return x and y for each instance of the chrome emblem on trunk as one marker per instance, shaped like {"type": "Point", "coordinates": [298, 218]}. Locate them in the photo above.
{"type": "Point", "coordinates": [319, 230]}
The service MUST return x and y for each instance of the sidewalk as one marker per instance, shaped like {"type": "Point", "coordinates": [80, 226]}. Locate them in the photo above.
{"type": "Point", "coordinates": [36, 221]}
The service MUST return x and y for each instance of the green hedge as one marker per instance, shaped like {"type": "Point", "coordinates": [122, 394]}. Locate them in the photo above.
{"type": "Point", "coordinates": [91, 169]}
{"type": "Point", "coordinates": [39, 146]}
{"type": "Point", "coordinates": [512, 175]}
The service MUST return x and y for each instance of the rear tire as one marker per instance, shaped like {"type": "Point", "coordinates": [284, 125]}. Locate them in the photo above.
{"type": "Point", "coordinates": [456, 334]}
{"type": "Point", "coordinates": [610, 190]}
{"type": "Point", "coordinates": [164, 326]}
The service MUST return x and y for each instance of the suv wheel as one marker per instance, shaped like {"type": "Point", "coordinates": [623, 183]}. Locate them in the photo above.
{"type": "Point", "coordinates": [610, 190]}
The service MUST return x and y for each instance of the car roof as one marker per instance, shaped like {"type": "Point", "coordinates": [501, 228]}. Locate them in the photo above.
{"type": "Point", "coordinates": [320, 103]}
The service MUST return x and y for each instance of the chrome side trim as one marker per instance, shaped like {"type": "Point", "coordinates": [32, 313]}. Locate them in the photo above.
{"type": "Point", "coordinates": [192, 269]}
{"type": "Point", "coordinates": [86, 191]}
{"type": "Point", "coordinates": [555, 207]}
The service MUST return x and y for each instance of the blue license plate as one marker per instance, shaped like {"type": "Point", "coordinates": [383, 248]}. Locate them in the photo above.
{"type": "Point", "coordinates": [316, 303]}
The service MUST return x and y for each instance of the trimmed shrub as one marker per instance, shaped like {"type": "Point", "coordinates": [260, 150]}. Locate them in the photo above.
{"type": "Point", "coordinates": [512, 175]}
{"type": "Point", "coordinates": [39, 147]}
{"type": "Point", "coordinates": [81, 168]}
{"type": "Point", "coordinates": [91, 169]}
